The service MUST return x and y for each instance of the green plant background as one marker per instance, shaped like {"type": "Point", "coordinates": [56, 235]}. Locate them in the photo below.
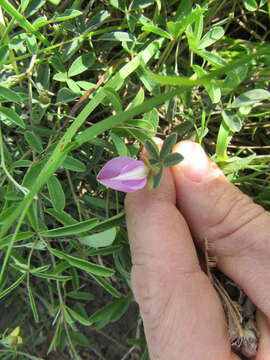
{"type": "Point", "coordinates": [80, 83]}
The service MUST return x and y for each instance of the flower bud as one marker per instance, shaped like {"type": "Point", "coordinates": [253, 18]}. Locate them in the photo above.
{"type": "Point", "coordinates": [124, 174]}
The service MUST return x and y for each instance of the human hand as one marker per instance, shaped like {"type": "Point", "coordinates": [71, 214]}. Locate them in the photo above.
{"type": "Point", "coordinates": [182, 313]}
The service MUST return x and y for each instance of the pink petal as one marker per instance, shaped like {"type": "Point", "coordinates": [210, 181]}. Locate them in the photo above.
{"type": "Point", "coordinates": [114, 167]}
{"type": "Point", "coordinates": [121, 167]}
{"type": "Point", "coordinates": [126, 186]}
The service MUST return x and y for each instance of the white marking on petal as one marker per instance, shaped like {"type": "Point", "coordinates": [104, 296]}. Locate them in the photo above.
{"type": "Point", "coordinates": [136, 174]}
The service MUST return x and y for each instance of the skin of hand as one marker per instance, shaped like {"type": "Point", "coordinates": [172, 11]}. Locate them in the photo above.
{"type": "Point", "coordinates": [182, 313]}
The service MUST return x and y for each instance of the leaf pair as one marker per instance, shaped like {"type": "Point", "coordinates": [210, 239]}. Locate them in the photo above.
{"type": "Point", "coordinates": [159, 159]}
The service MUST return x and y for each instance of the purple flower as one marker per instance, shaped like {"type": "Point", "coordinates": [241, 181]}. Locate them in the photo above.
{"type": "Point", "coordinates": [124, 174]}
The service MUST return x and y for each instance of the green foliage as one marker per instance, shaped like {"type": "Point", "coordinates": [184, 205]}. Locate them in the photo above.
{"type": "Point", "coordinates": [82, 83]}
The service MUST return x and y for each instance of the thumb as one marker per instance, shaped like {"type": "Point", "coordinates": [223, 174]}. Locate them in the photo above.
{"type": "Point", "coordinates": [236, 228]}
{"type": "Point", "coordinates": [181, 311]}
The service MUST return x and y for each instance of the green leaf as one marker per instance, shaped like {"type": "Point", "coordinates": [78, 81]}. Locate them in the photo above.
{"type": "Point", "coordinates": [13, 286]}
{"type": "Point", "coordinates": [51, 276]}
{"type": "Point", "coordinates": [72, 164]}
{"type": "Point", "coordinates": [173, 159]}
{"type": "Point", "coordinates": [31, 44]}
{"type": "Point", "coordinates": [83, 264]}
{"type": "Point", "coordinates": [168, 144]}
{"type": "Point", "coordinates": [111, 312]}
{"type": "Point", "coordinates": [118, 4]}
{"type": "Point", "coordinates": [108, 223]}
{"type": "Point", "coordinates": [140, 4]}
{"type": "Point", "coordinates": [138, 100]}
{"type": "Point", "coordinates": [67, 15]}
{"type": "Point", "coordinates": [81, 64]}
{"type": "Point", "coordinates": [80, 295]}
{"type": "Point", "coordinates": [251, 97]}
{"type": "Point", "coordinates": [114, 98]}
{"type": "Point", "coordinates": [250, 5]}
{"type": "Point", "coordinates": [232, 120]}
{"type": "Point", "coordinates": [175, 28]}
{"type": "Point", "coordinates": [79, 338]}
{"type": "Point", "coordinates": [12, 116]}
{"type": "Point", "coordinates": [33, 7]}
{"type": "Point", "coordinates": [65, 95]}
{"type": "Point", "coordinates": [10, 95]}
{"type": "Point", "coordinates": [105, 251]}
{"type": "Point", "coordinates": [117, 36]}
{"type": "Point", "coordinates": [223, 140]}
{"type": "Point", "coordinates": [4, 50]}
{"type": "Point", "coordinates": [211, 37]}
{"type": "Point", "coordinates": [107, 286]}
{"type": "Point", "coordinates": [101, 239]}
{"type": "Point", "coordinates": [119, 144]}
{"type": "Point", "coordinates": [237, 163]}
{"type": "Point", "coordinates": [211, 87]}
{"type": "Point", "coordinates": [19, 237]}
{"type": "Point", "coordinates": [33, 304]}
{"type": "Point", "coordinates": [75, 229]}
{"type": "Point", "coordinates": [152, 118]}
{"type": "Point", "coordinates": [32, 173]}
{"type": "Point", "coordinates": [158, 31]}
{"type": "Point", "coordinates": [79, 317]}
{"type": "Point", "coordinates": [174, 80]}
{"type": "Point", "coordinates": [34, 141]}
{"type": "Point", "coordinates": [55, 2]}
{"type": "Point", "coordinates": [57, 194]}
{"type": "Point", "coordinates": [60, 76]}
{"type": "Point", "coordinates": [152, 149]}
{"type": "Point", "coordinates": [61, 216]}
{"type": "Point", "coordinates": [21, 163]}
{"type": "Point", "coordinates": [94, 203]}
{"type": "Point", "coordinates": [212, 58]}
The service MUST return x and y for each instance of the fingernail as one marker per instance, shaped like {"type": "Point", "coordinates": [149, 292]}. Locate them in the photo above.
{"type": "Point", "coordinates": [196, 165]}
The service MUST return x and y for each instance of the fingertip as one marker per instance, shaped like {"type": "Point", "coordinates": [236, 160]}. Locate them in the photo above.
{"type": "Point", "coordinates": [196, 166]}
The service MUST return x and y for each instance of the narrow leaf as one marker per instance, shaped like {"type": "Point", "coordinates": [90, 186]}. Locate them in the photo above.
{"type": "Point", "coordinates": [13, 286]}
{"type": "Point", "coordinates": [251, 97]}
{"type": "Point", "coordinates": [168, 143]}
{"type": "Point", "coordinates": [117, 36]}
{"type": "Point", "coordinates": [83, 264]}
{"type": "Point", "coordinates": [73, 164]}
{"type": "Point", "coordinates": [152, 149]}
{"type": "Point", "coordinates": [75, 229]}
{"type": "Point", "coordinates": [57, 194]}
{"type": "Point", "coordinates": [158, 31]}
{"type": "Point", "coordinates": [50, 276]}
{"type": "Point", "coordinates": [10, 95]}
{"type": "Point", "coordinates": [12, 116]}
{"type": "Point", "coordinates": [33, 304]}
{"type": "Point", "coordinates": [79, 317]}
{"type": "Point", "coordinates": [173, 159]}
{"type": "Point", "coordinates": [67, 15]}
{"type": "Point", "coordinates": [34, 141]}
{"type": "Point", "coordinates": [107, 286]}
